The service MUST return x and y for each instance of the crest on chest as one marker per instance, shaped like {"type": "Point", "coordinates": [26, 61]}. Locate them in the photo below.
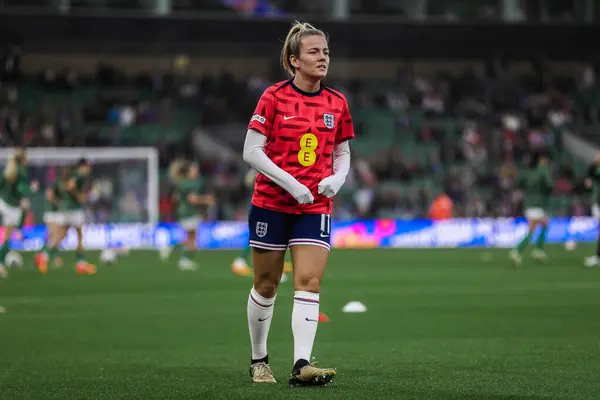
{"type": "Point", "coordinates": [329, 120]}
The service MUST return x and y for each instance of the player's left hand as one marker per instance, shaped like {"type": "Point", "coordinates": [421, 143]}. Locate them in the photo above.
{"type": "Point", "coordinates": [329, 186]}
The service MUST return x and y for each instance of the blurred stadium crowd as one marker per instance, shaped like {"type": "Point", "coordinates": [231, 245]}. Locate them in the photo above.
{"type": "Point", "coordinates": [458, 134]}
{"type": "Point", "coordinates": [446, 10]}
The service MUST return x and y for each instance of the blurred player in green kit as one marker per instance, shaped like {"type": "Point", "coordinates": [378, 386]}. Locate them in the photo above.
{"type": "Point", "coordinates": [537, 186]}
{"type": "Point", "coordinates": [592, 181]}
{"type": "Point", "coordinates": [15, 188]}
{"type": "Point", "coordinates": [190, 198]}
{"type": "Point", "coordinates": [52, 215]}
{"type": "Point", "coordinates": [72, 196]}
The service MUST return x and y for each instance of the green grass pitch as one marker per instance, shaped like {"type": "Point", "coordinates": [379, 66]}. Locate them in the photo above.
{"type": "Point", "coordinates": [441, 324]}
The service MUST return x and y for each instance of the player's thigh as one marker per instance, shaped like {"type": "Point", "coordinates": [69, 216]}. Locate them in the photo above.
{"type": "Point", "coordinates": [72, 219]}
{"type": "Point", "coordinates": [60, 232]}
{"type": "Point", "coordinates": [310, 244]}
{"type": "Point", "coordinates": [269, 235]}
{"type": "Point", "coordinates": [50, 228]}
{"type": "Point", "coordinates": [61, 224]}
{"type": "Point", "coordinates": [77, 219]}
{"type": "Point", "coordinates": [65, 219]}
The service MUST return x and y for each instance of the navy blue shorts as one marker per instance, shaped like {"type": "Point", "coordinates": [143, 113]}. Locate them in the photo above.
{"type": "Point", "coordinates": [274, 230]}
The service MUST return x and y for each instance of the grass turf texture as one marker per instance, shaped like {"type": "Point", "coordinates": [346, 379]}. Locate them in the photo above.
{"type": "Point", "coordinates": [441, 324]}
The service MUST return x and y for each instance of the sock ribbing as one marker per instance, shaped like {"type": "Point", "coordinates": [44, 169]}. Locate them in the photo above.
{"type": "Point", "coordinates": [305, 320]}
{"type": "Point", "coordinates": [260, 313]}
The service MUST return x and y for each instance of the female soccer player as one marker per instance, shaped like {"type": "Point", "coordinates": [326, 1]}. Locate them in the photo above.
{"type": "Point", "coordinates": [537, 184]}
{"type": "Point", "coordinates": [592, 182]}
{"type": "Point", "coordinates": [190, 197]}
{"type": "Point", "coordinates": [73, 197]}
{"type": "Point", "coordinates": [297, 140]}
{"type": "Point", "coordinates": [15, 188]}
{"type": "Point", "coordinates": [52, 215]}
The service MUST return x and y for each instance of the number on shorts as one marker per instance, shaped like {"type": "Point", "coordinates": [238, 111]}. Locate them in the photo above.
{"type": "Point", "coordinates": [325, 225]}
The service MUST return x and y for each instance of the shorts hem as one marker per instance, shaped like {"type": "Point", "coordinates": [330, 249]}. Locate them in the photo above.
{"type": "Point", "coordinates": [268, 246]}
{"type": "Point", "coordinates": [310, 242]}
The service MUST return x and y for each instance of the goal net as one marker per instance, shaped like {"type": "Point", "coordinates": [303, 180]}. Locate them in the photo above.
{"type": "Point", "coordinates": [125, 180]}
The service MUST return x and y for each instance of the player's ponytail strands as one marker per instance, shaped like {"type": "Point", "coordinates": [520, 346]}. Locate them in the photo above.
{"type": "Point", "coordinates": [175, 170]}
{"type": "Point", "coordinates": [10, 171]}
{"type": "Point", "coordinates": [291, 46]}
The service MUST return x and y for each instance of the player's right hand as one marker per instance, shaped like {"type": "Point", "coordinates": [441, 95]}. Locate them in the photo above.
{"type": "Point", "coordinates": [302, 194]}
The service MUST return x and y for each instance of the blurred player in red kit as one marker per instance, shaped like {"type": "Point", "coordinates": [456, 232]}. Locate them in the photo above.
{"type": "Point", "coordinates": [297, 140]}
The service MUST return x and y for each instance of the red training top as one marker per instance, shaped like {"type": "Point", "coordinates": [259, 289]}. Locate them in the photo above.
{"type": "Point", "coordinates": [301, 129]}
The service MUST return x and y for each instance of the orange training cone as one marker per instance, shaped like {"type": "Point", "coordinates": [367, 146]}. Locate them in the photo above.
{"type": "Point", "coordinates": [323, 317]}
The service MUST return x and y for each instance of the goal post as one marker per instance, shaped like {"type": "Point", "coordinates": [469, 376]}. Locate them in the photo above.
{"type": "Point", "coordinates": [125, 179]}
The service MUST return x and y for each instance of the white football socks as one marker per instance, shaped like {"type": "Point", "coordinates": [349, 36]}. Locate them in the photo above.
{"type": "Point", "coordinates": [260, 314]}
{"type": "Point", "coordinates": [305, 319]}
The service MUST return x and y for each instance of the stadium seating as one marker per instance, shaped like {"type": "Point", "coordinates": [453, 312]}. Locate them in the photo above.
{"type": "Point", "coordinates": [428, 144]}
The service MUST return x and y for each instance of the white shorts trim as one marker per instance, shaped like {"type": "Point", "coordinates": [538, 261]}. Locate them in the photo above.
{"type": "Point", "coordinates": [268, 246]}
{"type": "Point", "coordinates": [190, 224]}
{"type": "Point", "coordinates": [74, 218]}
{"type": "Point", "coordinates": [535, 213]}
{"type": "Point", "coordinates": [51, 217]}
{"type": "Point", "coordinates": [309, 242]}
{"type": "Point", "coordinates": [10, 215]}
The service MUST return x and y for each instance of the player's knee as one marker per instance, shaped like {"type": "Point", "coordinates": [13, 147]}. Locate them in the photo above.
{"type": "Point", "coordinates": [307, 283]}
{"type": "Point", "coordinates": [266, 286]}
